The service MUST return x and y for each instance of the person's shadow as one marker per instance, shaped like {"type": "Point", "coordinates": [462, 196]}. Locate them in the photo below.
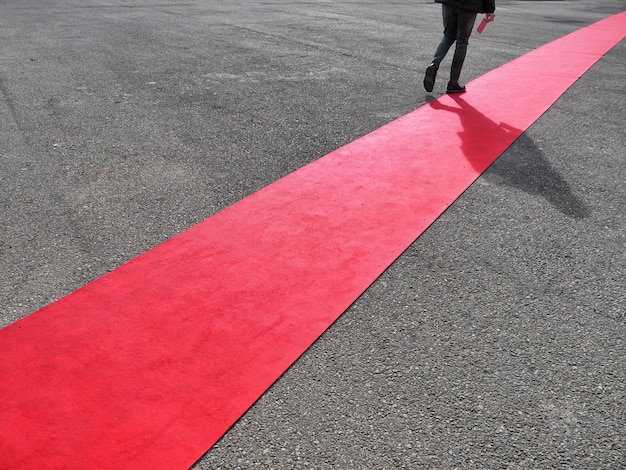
{"type": "Point", "coordinates": [525, 167]}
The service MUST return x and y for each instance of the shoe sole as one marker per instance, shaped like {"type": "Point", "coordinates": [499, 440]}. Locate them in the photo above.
{"type": "Point", "coordinates": [454, 92]}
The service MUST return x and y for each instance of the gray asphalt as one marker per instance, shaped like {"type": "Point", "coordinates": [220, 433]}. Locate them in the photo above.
{"type": "Point", "coordinates": [496, 341]}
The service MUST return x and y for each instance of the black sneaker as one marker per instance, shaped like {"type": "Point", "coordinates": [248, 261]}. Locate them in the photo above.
{"type": "Point", "coordinates": [454, 87]}
{"type": "Point", "coordinates": [429, 79]}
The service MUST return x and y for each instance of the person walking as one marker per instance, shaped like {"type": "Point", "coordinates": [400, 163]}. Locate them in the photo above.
{"type": "Point", "coordinates": [459, 17]}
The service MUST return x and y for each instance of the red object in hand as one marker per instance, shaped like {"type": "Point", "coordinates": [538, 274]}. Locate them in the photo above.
{"type": "Point", "coordinates": [487, 19]}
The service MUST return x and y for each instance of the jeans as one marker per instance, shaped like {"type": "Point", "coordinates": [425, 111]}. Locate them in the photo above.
{"type": "Point", "coordinates": [457, 26]}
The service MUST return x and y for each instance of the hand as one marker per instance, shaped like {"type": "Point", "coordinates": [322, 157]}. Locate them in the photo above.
{"type": "Point", "coordinates": [490, 17]}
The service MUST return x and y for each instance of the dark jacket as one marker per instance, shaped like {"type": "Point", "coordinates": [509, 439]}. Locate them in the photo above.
{"type": "Point", "coordinates": [479, 6]}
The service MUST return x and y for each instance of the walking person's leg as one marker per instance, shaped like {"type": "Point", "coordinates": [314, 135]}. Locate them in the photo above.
{"type": "Point", "coordinates": [450, 27]}
{"type": "Point", "coordinates": [465, 24]}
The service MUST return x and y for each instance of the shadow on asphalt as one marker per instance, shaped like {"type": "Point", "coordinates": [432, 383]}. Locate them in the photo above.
{"type": "Point", "coordinates": [525, 168]}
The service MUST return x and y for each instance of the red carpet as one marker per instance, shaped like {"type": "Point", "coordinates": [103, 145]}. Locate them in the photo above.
{"type": "Point", "coordinates": [148, 366]}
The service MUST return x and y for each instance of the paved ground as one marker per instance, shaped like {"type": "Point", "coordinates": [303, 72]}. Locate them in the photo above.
{"type": "Point", "coordinates": [496, 341]}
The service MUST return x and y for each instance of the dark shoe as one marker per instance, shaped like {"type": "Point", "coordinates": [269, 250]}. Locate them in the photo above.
{"type": "Point", "coordinates": [454, 87]}
{"type": "Point", "coordinates": [429, 79]}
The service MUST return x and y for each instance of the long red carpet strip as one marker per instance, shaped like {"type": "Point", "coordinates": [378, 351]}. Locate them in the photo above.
{"type": "Point", "coordinates": [149, 365]}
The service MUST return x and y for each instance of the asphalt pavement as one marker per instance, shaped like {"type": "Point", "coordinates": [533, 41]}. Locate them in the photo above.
{"type": "Point", "coordinates": [497, 340]}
